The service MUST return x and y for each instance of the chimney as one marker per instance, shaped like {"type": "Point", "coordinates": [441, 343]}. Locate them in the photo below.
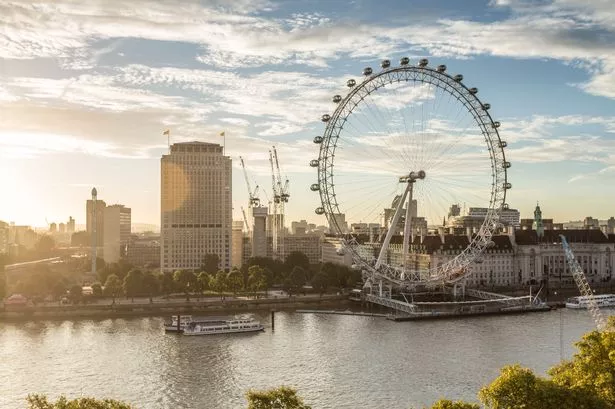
{"type": "Point", "coordinates": [451, 230]}
{"type": "Point", "coordinates": [469, 233]}
{"type": "Point", "coordinates": [441, 233]}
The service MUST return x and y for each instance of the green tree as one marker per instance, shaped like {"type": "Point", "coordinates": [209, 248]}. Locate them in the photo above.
{"type": "Point", "coordinates": [167, 284]}
{"type": "Point", "coordinates": [97, 290]}
{"type": "Point", "coordinates": [113, 287]}
{"type": "Point", "coordinates": [41, 402]}
{"type": "Point", "coordinates": [203, 280]}
{"type": "Point", "coordinates": [59, 289]}
{"type": "Point", "coordinates": [75, 293]}
{"type": "Point", "coordinates": [295, 280]}
{"type": "Point", "coordinates": [449, 404]}
{"type": "Point", "coordinates": [45, 245]}
{"type": "Point", "coordinates": [219, 282]}
{"type": "Point", "coordinates": [257, 280]}
{"type": "Point", "coordinates": [319, 282]}
{"type": "Point", "coordinates": [185, 280]}
{"type": "Point", "coordinates": [150, 285]}
{"type": "Point", "coordinates": [518, 387]}
{"type": "Point", "coordinates": [592, 368]}
{"type": "Point", "coordinates": [296, 259]}
{"type": "Point", "coordinates": [234, 281]}
{"type": "Point", "coordinates": [133, 284]}
{"type": "Point", "coordinates": [210, 263]}
{"type": "Point", "coordinates": [277, 398]}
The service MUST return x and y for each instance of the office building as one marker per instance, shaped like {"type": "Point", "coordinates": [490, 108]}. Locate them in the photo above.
{"type": "Point", "coordinates": [100, 220]}
{"type": "Point", "coordinates": [196, 206]}
{"type": "Point", "coordinates": [237, 243]}
{"type": "Point", "coordinates": [117, 220]}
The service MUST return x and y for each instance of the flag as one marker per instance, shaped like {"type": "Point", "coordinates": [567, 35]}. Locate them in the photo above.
{"type": "Point", "coordinates": [222, 133]}
{"type": "Point", "coordinates": [166, 132]}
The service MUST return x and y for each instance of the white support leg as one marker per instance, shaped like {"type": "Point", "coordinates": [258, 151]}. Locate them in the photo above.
{"type": "Point", "coordinates": [392, 227]}
{"type": "Point", "coordinates": [407, 229]}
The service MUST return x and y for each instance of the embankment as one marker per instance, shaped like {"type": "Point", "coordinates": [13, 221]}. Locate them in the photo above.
{"type": "Point", "coordinates": [158, 308]}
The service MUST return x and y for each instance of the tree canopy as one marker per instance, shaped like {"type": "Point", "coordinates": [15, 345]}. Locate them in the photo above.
{"type": "Point", "coordinates": [41, 402]}
{"type": "Point", "coordinates": [210, 263]}
{"type": "Point", "coordinates": [276, 398]}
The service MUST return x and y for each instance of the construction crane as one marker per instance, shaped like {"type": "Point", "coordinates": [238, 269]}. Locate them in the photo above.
{"type": "Point", "coordinates": [254, 200]}
{"type": "Point", "coordinates": [584, 288]}
{"type": "Point", "coordinates": [245, 219]}
{"type": "Point", "coordinates": [280, 196]}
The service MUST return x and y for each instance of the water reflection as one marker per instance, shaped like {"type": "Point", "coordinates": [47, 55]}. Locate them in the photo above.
{"type": "Point", "coordinates": [335, 361]}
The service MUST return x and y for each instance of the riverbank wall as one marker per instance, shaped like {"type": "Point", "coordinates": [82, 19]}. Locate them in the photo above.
{"type": "Point", "coordinates": [158, 308]}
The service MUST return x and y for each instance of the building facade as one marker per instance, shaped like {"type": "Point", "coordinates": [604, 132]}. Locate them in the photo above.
{"type": "Point", "coordinates": [237, 243]}
{"type": "Point", "coordinates": [117, 226]}
{"type": "Point", "coordinates": [100, 220]}
{"type": "Point", "coordinates": [196, 206]}
{"type": "Point", "coordinates": [143, 252]}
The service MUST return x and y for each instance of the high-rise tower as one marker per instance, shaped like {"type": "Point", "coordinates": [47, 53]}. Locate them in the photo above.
{"type": "Point", "coordinates": [94, 244]}
{"type": "Point", "coordinates": [196, 206]}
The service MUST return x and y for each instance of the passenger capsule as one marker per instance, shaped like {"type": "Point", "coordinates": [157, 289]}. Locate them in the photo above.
{"type": "Point", "coordinates": [490, 244]}
{"type": "Point", "coordinates": [326, 117]}
{"type": "Point", "coordinates": [507, 185]}
{"type": "Point", "coordinates": [404, 61]}
{"type": "Point", "coordinates": [318, 139]}
{"type": "Point", "coordinates": [351, 83]}
{"type": "Point", "coordinates": [367, 71]}
{"type": "Point", "coordinates": [479, 261]}
{"type": "Point", "coordinates": [340, 252]}
{"type": "Point", "coordinates": [315, 187]}
{"type": "Point", "coordinates": [458, 77]}
{"type": "Point", "coordinates": [314, 163]}
{"type": "Point", "coordinates": [486, 107]}
{"type": "Point", "coordinates": [385, 63]}
{"type": "Point", "coordinates": [505, 206]}
{"type": "Point", "coordinates": [503, 144]}
{"type": "Point", "coordinates": [473, 91]}
{"type": "Point", "coordinates": [441, 68]}
{"type": "Point", "coordinates": [496, 124]}
{"type": "Point", "coordinates": [507, 165]}
{"type": "Point", "coordinates": [423, 62]}
{"type": "Point", "coordinates": [337, 98]}
{"type": "Point", "coordinates": [319, 211]}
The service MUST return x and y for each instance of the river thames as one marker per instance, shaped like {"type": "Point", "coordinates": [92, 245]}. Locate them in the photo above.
{"type": "Point", "coordinates": [335, 361]}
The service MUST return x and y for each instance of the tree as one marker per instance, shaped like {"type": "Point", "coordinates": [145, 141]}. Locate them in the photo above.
{"type": "Point", "coordinates": [150, 285]}
{"type": "Point", "coordinates": [518, 387]}
{"type": "Point", "coordinates": [296, 259]}
{"type": "Point", "coordinates": [592, 369]}
{"type": "Point", "coordinates": [113, 287]}
{"type": "Point", "coordinates": [97, 290]}
{"type": "Point", "coordinates": [45, 245]}
{"type": "Point", "coordinates": [319, 282]}
{"type": "Point", "coordinates": [41, 402]}
{"type": "Point", "coordinates": [219, 282]}
{"type": "Point", "coordinates": [257, 280]}
{"type": "Point", "coordinates": [449, 404]}
{"type": "Point", "coordinates": [167, 284]}
{"type": "Point", "coordinates": [234, 281]}
{"type": "Point", "coordinates": [210, 263]}
{"type": "Point", "coordinates": [296, 279]}
{"type": "Point", "coordinates": [277, 398]}
{"type": "Point", "coordinates": [185, 280]}
{"type": "Point", "coordinates": [133, 283]}
{"type": "Point", "coordinates": [75, 293]}
{"type": "Point", "coordinates": [203, 280]}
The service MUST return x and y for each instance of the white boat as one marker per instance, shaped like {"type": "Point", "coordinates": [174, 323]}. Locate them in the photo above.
{"type": "Point", "coordinates": [581, 302]}
{"type": "Point", "coordinates": [186, 320]}
{"type": "Point", "coordinates": [232, 325]}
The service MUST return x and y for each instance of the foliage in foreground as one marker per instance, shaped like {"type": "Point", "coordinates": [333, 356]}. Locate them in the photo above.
{"type": "Point", "coordinates": [41, 402]}
{"type": "Point", "coordinates": [277, 398]}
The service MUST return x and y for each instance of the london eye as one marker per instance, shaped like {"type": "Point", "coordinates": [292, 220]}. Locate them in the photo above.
{"type": "Point", "coordinates": [401, 146]}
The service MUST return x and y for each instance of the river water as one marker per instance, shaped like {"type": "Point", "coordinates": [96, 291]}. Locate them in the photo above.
{"type": "Point", "coordinates": [335, 361]}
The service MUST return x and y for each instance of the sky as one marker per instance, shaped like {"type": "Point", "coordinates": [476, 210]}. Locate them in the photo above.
{"type": "Point", "coordinates": [88, 87]}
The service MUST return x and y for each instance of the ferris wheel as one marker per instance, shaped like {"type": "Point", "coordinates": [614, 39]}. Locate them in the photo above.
{"type": "Point", "coordinates": [403, 153]}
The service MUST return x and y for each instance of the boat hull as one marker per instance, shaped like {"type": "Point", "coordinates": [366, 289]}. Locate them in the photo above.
{"type": "Point", "coordinates": [224, 331]}
{"type": "Point", "coordinates": [584, 306]}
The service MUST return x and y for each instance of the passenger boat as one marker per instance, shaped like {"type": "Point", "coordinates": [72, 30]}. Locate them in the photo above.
{"type": "Point", "coordinates": [581, 302]}
{"type": "Point", "coordinates": [232, 325]}
{"type": "Point", "coordinates": [185, 320]}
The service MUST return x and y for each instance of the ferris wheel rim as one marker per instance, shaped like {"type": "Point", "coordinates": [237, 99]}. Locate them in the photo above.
{"type": "Point", "coordinates": [454, 86]}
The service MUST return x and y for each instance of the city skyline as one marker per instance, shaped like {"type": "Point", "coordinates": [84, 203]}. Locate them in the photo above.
{"type": "Point", "coordinates": [264, 73]}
